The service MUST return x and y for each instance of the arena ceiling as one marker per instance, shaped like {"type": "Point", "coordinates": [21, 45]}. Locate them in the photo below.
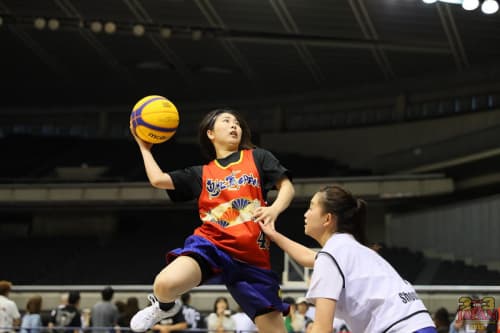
{"type": "Point", "coordinates": [200, 50]}
{"type": "Point", "coordinates": [58, 53]}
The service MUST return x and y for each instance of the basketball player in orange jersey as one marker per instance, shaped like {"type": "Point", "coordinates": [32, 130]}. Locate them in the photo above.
{"type": "Point", "coordinates": [229, 245]}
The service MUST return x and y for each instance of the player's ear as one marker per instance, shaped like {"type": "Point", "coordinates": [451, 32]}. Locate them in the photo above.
{"type": "Point", "coordinates": [210, 134]}
{"type": "Point", "coordinates": [330, 219]}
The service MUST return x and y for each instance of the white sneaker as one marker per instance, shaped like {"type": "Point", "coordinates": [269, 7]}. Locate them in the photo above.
{"type": "Point", "coordinates": [148, 317]}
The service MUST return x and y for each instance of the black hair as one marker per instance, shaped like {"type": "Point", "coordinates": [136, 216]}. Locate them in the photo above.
{"type": "Point", "coordinates": [107, 293]}
{"type": "Point", "coordinates": [74, 297]}
{"type": "Point", "coordinates": [218, 299]}
{"type": "Point", "coordinates": [442, 317]}
{"type": "Point", "coordinates": [350, 211]}
{"type": "Point", "coordinates": [207, 123]}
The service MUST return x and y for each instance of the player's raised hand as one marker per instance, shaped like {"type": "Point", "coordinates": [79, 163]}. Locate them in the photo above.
{"type": "Point", "coordinates": [142, 144]}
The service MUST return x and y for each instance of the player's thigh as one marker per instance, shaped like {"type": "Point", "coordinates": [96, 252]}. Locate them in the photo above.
{"type": "Point", "coordinates": [271, 322]}
{"type": "Point", "coordinates": [179, 276]}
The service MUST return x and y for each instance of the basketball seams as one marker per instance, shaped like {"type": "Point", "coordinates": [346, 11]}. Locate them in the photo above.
{"type": "Point", "coordinates": [142, 122]}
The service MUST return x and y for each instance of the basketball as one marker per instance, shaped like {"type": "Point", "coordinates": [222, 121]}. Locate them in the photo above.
{"type": "Point", "coordinates": [155, 119]}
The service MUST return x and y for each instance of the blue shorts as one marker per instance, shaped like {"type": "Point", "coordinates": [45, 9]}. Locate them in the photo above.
{"type": "Point", "coordinates": [427, 330]}
{"type": "Point", "coordinates": [256, 290]}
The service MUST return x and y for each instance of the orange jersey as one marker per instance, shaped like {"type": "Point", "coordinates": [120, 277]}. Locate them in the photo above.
{"type": "Point", "coordinates": [229, 196]}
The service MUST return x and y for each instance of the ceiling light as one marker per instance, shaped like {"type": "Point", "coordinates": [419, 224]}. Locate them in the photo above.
{"type": "Point", "coordinates": [39, 23]}
{"type": "Point", "coordinates": [429, 1]}
{"type": "Point", "coordinates": [110, 27]}
{"type": "Point", "coordinates": [196, 34]}
{"type": "Point", "coordinates": [166, 32]}
{"type": "Point", "coordinates": [53, 24]}
{"type": "Point", "coordinates": [470, 4]}
{"type": "Point", "coordinates": [138, 30]}
{"type": "Point", "coordinates": [96, 26]}
{"type": "Point", "coordinates": [489, 7]}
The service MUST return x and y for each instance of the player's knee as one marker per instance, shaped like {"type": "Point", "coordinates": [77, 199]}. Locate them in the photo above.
{"type": "Point", "coordinates": [164, 288]}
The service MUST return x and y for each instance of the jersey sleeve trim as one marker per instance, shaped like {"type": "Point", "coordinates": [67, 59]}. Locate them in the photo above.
{"type": "Point", "coordinates": [336, 264]}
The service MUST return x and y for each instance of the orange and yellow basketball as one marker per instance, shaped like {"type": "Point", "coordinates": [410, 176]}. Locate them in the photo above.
{"type": "Point", "coordinates": [155, 119]}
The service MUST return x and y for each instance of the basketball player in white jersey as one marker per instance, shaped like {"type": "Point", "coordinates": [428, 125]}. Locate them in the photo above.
{"type": "Point", "coordinates": [350, 280]}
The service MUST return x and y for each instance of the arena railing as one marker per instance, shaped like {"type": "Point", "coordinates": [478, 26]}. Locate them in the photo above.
{"type": "Point", "coordinates": [434, 296]}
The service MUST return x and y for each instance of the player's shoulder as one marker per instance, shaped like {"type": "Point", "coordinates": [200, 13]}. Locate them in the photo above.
{"type": "Point", "coordinates": [262, 153]}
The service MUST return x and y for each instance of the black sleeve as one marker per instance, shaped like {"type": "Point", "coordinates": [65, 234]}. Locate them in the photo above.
{"type": "Point", "coordinates": [77, 320]}
{"type": "Point", "coordinates": [270, 168]}
{"type": "Point", "coordinates": [187, 183]}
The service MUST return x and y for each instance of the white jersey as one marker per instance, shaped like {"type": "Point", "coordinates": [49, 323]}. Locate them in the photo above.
{"type": "Point", "coordinates": [371, 296]}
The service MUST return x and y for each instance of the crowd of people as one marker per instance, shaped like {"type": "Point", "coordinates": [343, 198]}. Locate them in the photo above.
{"type": "Point", "coordinates": [108, 316]}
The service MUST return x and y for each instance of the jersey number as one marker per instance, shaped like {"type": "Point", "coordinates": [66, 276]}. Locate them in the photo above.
{"type": "Point", "coordinates": [263, 241]}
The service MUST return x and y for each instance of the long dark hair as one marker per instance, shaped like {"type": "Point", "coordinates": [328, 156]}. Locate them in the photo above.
{"type": "Point", "coordinates": [223, 299]}
{"type": "Point", "coordinates": [207, 148]}
{"type": "Point", "coordinates": [350, 211]}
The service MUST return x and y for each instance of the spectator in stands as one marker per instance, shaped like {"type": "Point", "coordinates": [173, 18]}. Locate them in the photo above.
{"type": "Point", "coordinates": [349, 279]}
{"type": "Point", "coordinates": [63, 301]}
{"type": "Point", "coordinates": [86, 320]}
{"type": "Point", "coordinates": [231, 192]}
{"type": "Point", "coordinates": [120, 305]}
{"type": "Point", "coordinates": [68, 315]}
{"type": "Point", "coordinates": [294, 321]}
{"type": "Point", "coordinates": [303, 307]}
{"type": "Point", "coordinates": [191, 314]}
{"type": "Point", "coordinates": [10, 317]}
{"type": "Point", "coordinates": [242, 322]}
{"type": "Point", "coordinates": [32, 320]}
{"type": "Point", "coordinates": [220, 321]}
{"type": "Point", "coordinates": [457, 326]}
{"type": "Point", "coordinates": [104, 313]}
{"type": "Point", "coordinates": [442, 320]}
{"type": "Point", "coordinates": [130, 309]}
{"type": "Point", "coordinates": [174, 323]}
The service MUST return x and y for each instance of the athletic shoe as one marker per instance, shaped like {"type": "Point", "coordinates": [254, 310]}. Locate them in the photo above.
{"type": "Point", "coordinates": [148, 317]}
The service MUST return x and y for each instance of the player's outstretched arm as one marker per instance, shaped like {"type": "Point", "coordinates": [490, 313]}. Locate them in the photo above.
{"type": "Point", "coordinates": [300, 253]}
{"type": "Point", "coordinates": [156, 176]}
{"type": "Point", "coordinates": [282, 201]}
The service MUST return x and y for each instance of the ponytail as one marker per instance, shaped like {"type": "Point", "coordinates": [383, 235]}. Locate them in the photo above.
{"type": "Point", "coordinates": [350, 211]}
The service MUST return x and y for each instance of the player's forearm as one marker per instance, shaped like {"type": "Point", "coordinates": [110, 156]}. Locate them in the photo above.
{"type": "Point", "coordinates": [285, 195]}
{"type": "Point", "coordinates": [300, 253]}
{"type": "Point", "coordinates": [156, 176]}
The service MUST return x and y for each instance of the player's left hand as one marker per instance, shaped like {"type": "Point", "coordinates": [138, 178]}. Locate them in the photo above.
{"type": "Point", "coordinates": [265, 215]}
